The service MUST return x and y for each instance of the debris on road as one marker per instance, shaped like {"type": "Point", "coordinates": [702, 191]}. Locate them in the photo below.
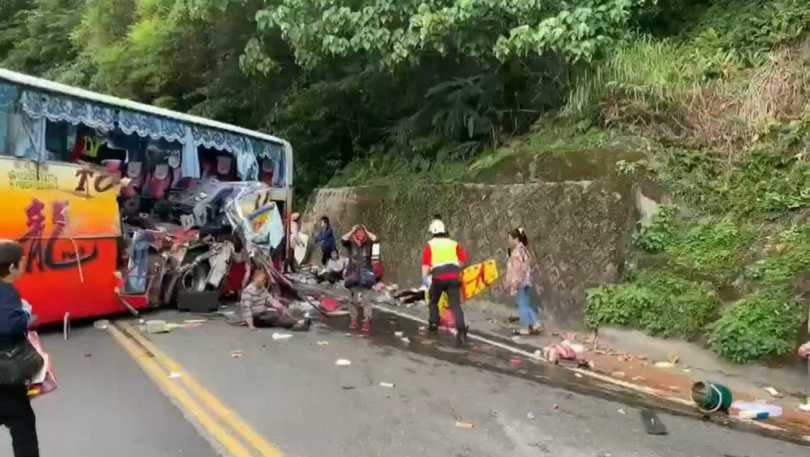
{"type": "Point", "coordinates": [101, 324]}
{"type": "Point", "coordinates": [406, 340]}
{"type": "Point", "coordinates": [323, 343]}
{"type": "Point", "coordinates": [175, 375]}
{"type": "Point", "coordinates": [638, 378]}
{"type": "Point", "coordinates": [236, 354]}
{"type": "Point", "coordinates": [652, 424]}
{"type": "Point", "coordinates": [664, 365]}
{"type": "Point", "coordinates": [774, 393]}
{"type": "Point", "coordinates": [622, 412]}
{"type": "Point", "coordinates": [281, 336]}
{"type": "Point", "coordinates": [755, 411]}
{"type": "Point", "coordinates": [467, 425]}
{"type": "Point", "coordinates": [387, 385]}
{"type": "Point", "coordinates": [399, 334]}
{"type": "Point", "coordinates": [530, 416]}
{"type": "Point", "coordinates": [710, 397]}
{"type": "Point", "coordinates": [155, 326]}
{"type": "Point", "coordinates": [343, 362]}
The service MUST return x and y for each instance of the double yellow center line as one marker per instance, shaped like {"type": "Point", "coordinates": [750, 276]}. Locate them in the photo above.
{"type": "Point", "coordinates": [235, 436]}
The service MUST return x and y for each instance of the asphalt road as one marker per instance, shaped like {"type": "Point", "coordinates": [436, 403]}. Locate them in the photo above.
{"type": "Point", "coordinates": [106, 406]}
{"type": "Point", "coordinates": [292, 393]}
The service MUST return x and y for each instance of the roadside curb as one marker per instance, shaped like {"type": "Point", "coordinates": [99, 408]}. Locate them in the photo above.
{"type": "Point", "coordinates": [491, 339]}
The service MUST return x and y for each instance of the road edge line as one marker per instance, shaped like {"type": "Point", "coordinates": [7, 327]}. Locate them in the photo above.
{"type": "Point", "coordinates": [596, 376]}
{"type": "Point", "coordinates": [182, 399]}
{"type": "Point", "coordinates": [217, 406]}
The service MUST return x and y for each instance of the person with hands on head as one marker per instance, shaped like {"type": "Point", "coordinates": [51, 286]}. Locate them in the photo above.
{"type": "Point", "coordinates": [359, 273]}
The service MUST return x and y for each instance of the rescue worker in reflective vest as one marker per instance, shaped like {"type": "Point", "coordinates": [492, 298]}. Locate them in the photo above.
{"type": "Point", "coordinates": [442, 263]}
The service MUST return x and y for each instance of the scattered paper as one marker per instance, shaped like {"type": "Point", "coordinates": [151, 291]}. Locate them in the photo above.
{"type": "Point", "coordinates": [387, 384]}
{"type": "Point", "coordinates": [343, 362]}
{"type": "Point", "coordinates": [463, 424]}
{"type": "Point", "coordinates": [102, 324]}
{"type": "Point", "coordinates": [773, 392]}
{"type": "Point", "coordinates": [281, 336]}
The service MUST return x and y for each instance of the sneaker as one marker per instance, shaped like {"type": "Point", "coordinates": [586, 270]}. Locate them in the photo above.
{"type": "Point", "coordinates": [367, 327]}
{"type": "Point", "coordinates": [353, 325]}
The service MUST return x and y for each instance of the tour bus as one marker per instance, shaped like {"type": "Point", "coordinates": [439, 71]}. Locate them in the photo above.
{"type": "Point", "coordinates": [76, 167]}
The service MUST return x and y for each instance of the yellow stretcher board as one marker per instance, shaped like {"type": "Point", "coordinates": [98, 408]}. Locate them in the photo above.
{"type": "Point", "coordinates": [474, 280]}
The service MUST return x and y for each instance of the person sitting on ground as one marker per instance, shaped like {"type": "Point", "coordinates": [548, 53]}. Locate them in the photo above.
{"type": "Point", "coordinates": [261, 309]}
{"type": "Point", "coordinates": [359, 273]}
{"type": "Point", "coordinates": [326, 238]}
{"type": "Point", "coordinates": [333, 271]}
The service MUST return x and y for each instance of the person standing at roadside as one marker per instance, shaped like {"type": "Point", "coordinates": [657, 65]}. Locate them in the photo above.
{"type": "Point", "coordinates": [442, 262]}
{"type": "Point", "coordinates": [326, 238]}
{"type": "Point", "coordinates": [15, 314]}
{"type": "Point", "coordinates": [519, 281]}
{"type": "Point", "coordinates": [359, 273]}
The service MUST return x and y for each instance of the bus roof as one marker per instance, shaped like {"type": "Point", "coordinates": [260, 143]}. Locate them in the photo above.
{"type": "Point", "coordinates": [50, 86]}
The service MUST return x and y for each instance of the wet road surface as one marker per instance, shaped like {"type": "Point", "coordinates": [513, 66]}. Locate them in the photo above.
{"type": "Point", "coordinates": [292, 393]}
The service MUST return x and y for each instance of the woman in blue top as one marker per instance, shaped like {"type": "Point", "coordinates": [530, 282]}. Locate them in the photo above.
{"type": "Point", "coordinates": [326, 238]}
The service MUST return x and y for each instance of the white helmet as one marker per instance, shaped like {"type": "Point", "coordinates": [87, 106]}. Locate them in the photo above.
{"type": "Point", "coordinates": [437, 227]}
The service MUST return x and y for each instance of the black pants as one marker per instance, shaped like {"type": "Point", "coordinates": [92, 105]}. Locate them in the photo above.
{"type": "Point", "coordinates": [331, 276]}
{"type": "Point", "coordinates": [453, 289]}
{"type": "Point", "coordinates": [275, 319]}
{"type": "Point", "coordinates": [17, 415]}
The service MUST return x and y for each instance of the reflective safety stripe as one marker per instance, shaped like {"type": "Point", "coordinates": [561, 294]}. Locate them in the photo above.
{"type": "Point", "coordinates": [443, 252]}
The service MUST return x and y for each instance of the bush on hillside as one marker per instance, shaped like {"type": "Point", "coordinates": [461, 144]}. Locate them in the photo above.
{"type": "Point", "coordinates": [764, 324]}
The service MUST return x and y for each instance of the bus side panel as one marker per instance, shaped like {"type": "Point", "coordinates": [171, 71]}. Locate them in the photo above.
{"type": "Point", "coordinates": [57, 283]}
{"type": "Point", "coordinates": [66, 218]}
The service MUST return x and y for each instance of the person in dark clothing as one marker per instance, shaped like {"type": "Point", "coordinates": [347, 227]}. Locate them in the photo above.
{"type": "Point", "coordinates": [326, 238]}
{"type": "Point", "coordinates": [359, 273]}
{"type": "Point", "coordinates": [15, 407]}
{"type": "Point", "coordinates": [442, 262]}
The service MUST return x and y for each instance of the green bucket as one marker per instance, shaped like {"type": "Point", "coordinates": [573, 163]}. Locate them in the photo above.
{"type": "Point", "coordinates": [710, 397]}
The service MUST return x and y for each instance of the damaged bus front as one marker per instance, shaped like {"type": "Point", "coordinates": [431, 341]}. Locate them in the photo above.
{"type": "Point", "coordinates": [121, 205]}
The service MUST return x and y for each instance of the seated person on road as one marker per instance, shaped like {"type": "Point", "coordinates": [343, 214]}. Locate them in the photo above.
{"type": "Point", "coordinates": [359, 273]}
{"type": "Point", "coordinates": [260, 309]}
{"type": "Point", "coordinates": [333, 271]}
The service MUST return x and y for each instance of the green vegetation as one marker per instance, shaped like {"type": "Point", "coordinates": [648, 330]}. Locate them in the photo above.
{"type": "Point", "coordinates": [709, 100]}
